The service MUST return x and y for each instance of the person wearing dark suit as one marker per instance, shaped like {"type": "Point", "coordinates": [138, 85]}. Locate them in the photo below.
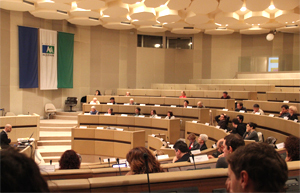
{"type": "Point", "coordinates": [193, 143]}
{"type": "Point", "coordinates": [292, 113]}
{"type": "Point", "coordinates": [181, 152]}
{"type": "Point", "coordinates": [240, 107]}
{"type": "Point", "coordinates": [222, 121]}
{"type": "Point", "coordinates": [5, 141]}
{"type": "Point", "coordinates": [225, 95]}
{"type": "Point", "coordinates": [250, 133]}
{"type": "Point", "coordinates": [202, 141]}
{"type": "Point", "coordinates": [238, 127]}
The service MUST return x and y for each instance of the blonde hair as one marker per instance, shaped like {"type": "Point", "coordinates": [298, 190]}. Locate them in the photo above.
{"type": "Point", "coordinates": [293, 108]}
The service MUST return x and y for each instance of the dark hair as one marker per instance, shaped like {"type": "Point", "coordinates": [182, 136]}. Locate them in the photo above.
{"type": "Point", "coordinates": [154, 111]}
{"type": "Point", "coordinates": [285, 106]}
{"type": "Point", "coordinates": [241, 117]}
{"type": "Point", "coordinates": [234, 141]}
{"type": "Point", "coordinates": [235, 121]}
{"type": "Point", "coordinates": [256, 105]}
{"type": "Point", "coordinates": [98, 91]}
{"type": "Point", "coordinates": [20, 173]}
{"type": "Point", "coordinates": [186, 101]}
{"type": "Point", "coordinates": [225, 92]}
{"type": "Point", "coordinates": [291, 145]}
{"type": "Point", "coordinates": [111, 109]}
{"type": "Point", "coordinates": [251, 124]}
{"type": "Point", "coordinates": [69, 160]}
{"type": "Point", "coordinates": [241, 104]}
{"type": "Point", "coordinates": [138, 108]}
{"type": "Point", "coordinates": [135, 158]}
{"type": "Point", "coordinates": [180, 145]}
{"type": "Point", "coordinates": [265, 167]}
{"type": "Point", "coordinates": [171, 113]}
{"type": "Point", "coordinates": [112, 98]}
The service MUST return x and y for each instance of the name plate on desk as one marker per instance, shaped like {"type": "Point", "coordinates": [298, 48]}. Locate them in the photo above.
{"type": "Point", "coordinates": [83, 127]}
{"type": "Point", "coordinates": [280, 145]}
{"type": "Point", "coordinates": [109, 104]}
{"type": "Point", "coordinates": [122, 161]}
{"type": "Point", "coordinates": [271, 115]}
{"type": "Point", "coordinates": [142, 104]}
{"type": "Point", "coordinates": [241, 111]}
{"type": "Point", "coordinates": [124, 115]}
{"type": "Point", "coordinates": [214, 145]}
{"type": "Point", "coordinates": [199, 158]}
{"type": "Point", "coordinates": [295, 120]}
{"type": "Point", "coordinates": [189, 107]}
{"type": "Point", "coordinates": [160, 157]}
{"type": "Point", "coordinates": [157, 117]}
{"type": "Point", "coordinates": [47, 168]}
{"type": "Point", "coordinates": [257, 113]}
{"type": "Point", "coordinates": [207, 124]}
{"type": "Point", "coordinates": [141, 115]}
{"type": "Point", "coordinates": [194, 121]}
{"type": "Point", "coordinates": [218, 127]}
{"type": "Point", "coordinates": [106, 114]}
{"type": "Point", "coordinates": [87, 113]}
{"type": "Point", "coordinates": [225, 109]}
{"type": "Point", "coordinates": [171, 146]}
{"type": "Point", "coordinates": [126, 103]}
{"type": "Point", "coordinates": [285, 118]}
{"type": "Point", "coordinates": [197, 151]}
{"type": "Point", "coordinates": [173, 105]}
{"type": "Point", "coordinates": [153, 135]}
{"type": "Point", "coordinates": [100, 128]}
{"type": "Point", "coordinates": [118, 129]}
{"type": "Point", "coordinates": [286, 101]}
{"type": "Point", "coordinates": [157, 105]}
{"type": "Point", "coordinates": [111, 160]}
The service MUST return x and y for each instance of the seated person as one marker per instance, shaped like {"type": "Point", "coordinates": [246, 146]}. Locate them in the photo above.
{"type": "Point", "coordinates": [222, 120]}
{"type": "Point", "coordinates": [271, 141]}
{"type": "Point", "coordinates": [238, 127]}
{"type": "Point", "coordinates": [256, 109]}
{"type": "Point", "coordinates": [256, 167]}
{"type": "Point", "coordinates": [185, 103]}
{"type": "Point", "coordinates": [182, 153]}
{"type": "Point", "coordinates": [137, 112]}
{"type": "Point", "coordinates": [240, 107]}
{"type": "Point", "coordinates": [110, 111]}
{"type": "Point", "coordinates": [112, 100]}
{"type": "Point", "coordinates": [131, 102]}
{"type": "Point", "coordinates": [225, 95]}
{"type": "Point", "coordinates": [170, 115]}
{"type": "Point", "coordinates": [284, 111]}
{"type": "Point", "coordinates": [292, 148]}
{"type": "Point", "coordinates": [135, 158]}
{"type": "Point", "coordinates": [153, 114]}
{"type": "Point", "coordinates": [202, 141]}
{"type": "Point", "coordinates": [5, 141]}
{"type": "Point", "coordinates": [219, 151]}
{"type": "Point", "coordinates": [193, 143]}
{"type": "Point", "coordinates": [127, 94]}
{"type": "Point", "coordinates": [98, 93]}
{"type": "Point", "coordinates": [292, 112]}
{"type": "Point", "coordinates": [158, 152]}
{"type": "Point", "coordinates": [69, 160]}
{"type": "Point", "coordinates": [183, 95]}
{"type": "Point", "coordinates": [231, 143]}
{"type": "Point", "coordinates": [95, 101]}
{"type": "Point", "coordinates": [250, 133]}
{"type": "Point", "coordinates": [93, 111]}
{"type": "Point", "coordinates": [20, 173]}
{"type": "Point", "coordinates": [200, 105]}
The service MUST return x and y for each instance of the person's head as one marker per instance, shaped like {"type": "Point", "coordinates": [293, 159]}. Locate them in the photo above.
{"type": "Point", "coordinates": [110, 110]}
{"type": "Point", "coordinates": [220, 145]}
{"type": "Point", "coordinates": [239, 105]}
{"type": "Point", "coordinates": [153, 112]}
{"type": "Point", "coordinates": [240, 118]}
{"type": "Point", "coordinates": [250, 126]}
{"type": "Point", "coordinates": [222, 117]}
{"type": "Point", "coordinates": [284, 108]}
{"type": "Point", "coordinates": [225, 94]}
{"type": "Point", "coordinates": [127, 93]}
{"type": "Point", "coordinates": [93, 108]}
{"type": "Point", "coordinates": [256, 167]}
{"type": "Point", "coordinates": [170, 114]}
{"type": "Point", "coordinates": [185, 103]}
{"type": "Point", "coordinates": [131, 101]}
{"type": "Point", "coordinates": [20, 173]}
{"type": "Point", "coordinates": [183, 93]}
{"type": "Point", "coordinates": [256, 107]}
{"type": "Point", "coordinates": [94, 99]}
{"type": "Point", "coordinates": [199, 104]}
{"type": "Point", "coordinates": [137, 110]}
{"type": "Point", "coordinates": [292, 110]}
{"type": "Point", "coordinates": [180, 149]}
{"type": "Point", "coordinates": [235, 122]}
{"type": "Point", "coordinates": [112, 99]}
{"type": "Point", "coordinates": [291, 145]}
{"type": "Point", "coordinates": [231, 143]}
{"type": "Point", "coordinates": [191, 137]}
{"type": "Point", "coordinates": [202, 138]}
{"type": "Point", "coordinates": [97, 92]}
{"type": "Point", "coordinates": [8, 128]}
{"type": "Point", "coordinates": [136, 160]}
{"type": "Point", "coordinates": [69, 160]}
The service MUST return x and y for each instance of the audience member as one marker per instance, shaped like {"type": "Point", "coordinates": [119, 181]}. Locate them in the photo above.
{"type": "Point", "coordinates": [137, 112]}
{"type": "Point", "coordinates": [20, 173]}
{"type": "Point", "coordinates": [170, 115]}
{"type": "Point", "coordinates": [292, 112]}
{"type": "Point", "coordinates": [222, 120]}
{"type": "Point", "coordinates": [220, 147]}
{"type": "Point", "coordinates": [240, 118]}
{"type": "Point", "coordinates": [181, 152]}
{"type": "Point", "coordinates": [112, 100]}
{"type": "Point", "coordinates": [153, 114]}
{"type": "Point", "coordinates": [110, 111]}
{"type": "Point", "coordinates": [256, 167]}
{"type": "Point", "coordinates": [95, 101]}
{"type": "Point", "coordinates": [5, 141]}
{"type": "Point", "coordinates": [131, 102]}
{"type": "Point", "coordinates": [200, 105]}
{"type": "Point", "coordinates": [284, 111]}
{"type": "Point", "coordinates": [158, 152]}
{"type": "Point", "coordinates": [238, 127]}
{"type": "Point", "coordinates": [225, 95]}
{"type": "Point", "coordinates": [185, 103]}
{"type": "Point", "coordinates": [135, 158]}
{"type": "Point", "coordinates": [292, 147]}
{"type": "Point", "coordinates": [69, 160]}
{"type": "Point", "coordinates": [193, 143]}
{"type": "Point", "coordinates": [250, 133]}
{"type": "Point", "coordinates": [127, 94]}
{"type": "Point", "coordinates": [271, 141]}
{"type": "Point", "coordinates": [183, 95]}
{"type": "Point", "coordinates": [240, 107]}
{"type": "Point", "coordinates": [93, 111]}
{"type": "Point", "coordinates": [98, 93]}
{"type": "Point", "coordinates": [202, 141]}
{"type": "Point", "coordinates": [231, 143]}
{"type": "Point", "coordinates": [256, 109]}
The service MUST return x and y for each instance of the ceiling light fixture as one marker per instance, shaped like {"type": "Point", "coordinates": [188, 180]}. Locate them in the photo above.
{"type": "Point", "coordinates": [156, 45]}
{"type": "Point", "coordinates": [271, 35]}
{"type": "Point", "coordinates": [272, 7]}
{"type": "Point", "coordinates": [244, 7]}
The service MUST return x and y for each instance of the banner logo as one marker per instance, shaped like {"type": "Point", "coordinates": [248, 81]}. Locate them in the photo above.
{"type": "Point", "coordinates": [48, 50]}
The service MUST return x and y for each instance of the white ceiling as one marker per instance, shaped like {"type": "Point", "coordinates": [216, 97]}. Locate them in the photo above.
{"type": "Point", "coordinates": [215, 17]}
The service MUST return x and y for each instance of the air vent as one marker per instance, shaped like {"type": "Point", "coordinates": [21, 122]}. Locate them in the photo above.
{"type": "Point", "coordinates": [93, 18]}
{"type": "Point", "coordinates": [291, 25]}
{"type": "Point", "coordinates": [188, 27]}
{"type": "Point", "coordinates": [28, 2]}
{"type": "Point", "coordinates": [125, 22]}
{"type": "Point", "coordinates": [156, 25]}
{"type": "Point", "coordinates": [64, 12]}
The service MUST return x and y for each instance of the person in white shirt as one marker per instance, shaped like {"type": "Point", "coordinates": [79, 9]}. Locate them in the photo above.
{"type": "Point", "coordinates": [153, 114]}
{"type": "Point", "coordinates": [95, 102]}
{"type": "Point", "coordinates": [256, 109]}
{"type": "Point", "coordinates": [170, 115]}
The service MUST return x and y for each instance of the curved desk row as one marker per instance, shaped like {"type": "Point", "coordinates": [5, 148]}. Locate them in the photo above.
{"type": "Point", "coordinates": [167, 101]}
{"type": "Point", "coordinates": [240, 95]}
{"type": "Point", "coordinates": [283, 96]}
{"type": "Point", "coordinates": [269, 126]}
{"type": "Point", "coordinates": [22, 126]}
{"type": "Point", "coordinates": [169, 127]}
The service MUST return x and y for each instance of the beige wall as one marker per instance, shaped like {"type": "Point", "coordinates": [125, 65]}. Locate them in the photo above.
{"type": "Point", "coordinates": [109, 59]}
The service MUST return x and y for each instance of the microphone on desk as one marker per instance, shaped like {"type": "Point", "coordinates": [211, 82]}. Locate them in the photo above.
{"type": "Point", "coordinates": [51, 162]}
{"type": "Point", "coordinates": [147, 170]}
{"type": "Point", "coordinates": [100, 159]}
{"type": "Point", "coordinates": [119, 166]}
{"type": "Point", "coordinates": [108, 162]}
{"type": "Point", "coordinates": [193, 157]}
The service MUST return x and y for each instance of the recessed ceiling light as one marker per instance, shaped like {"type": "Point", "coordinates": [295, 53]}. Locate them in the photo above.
{"type": "Point", "coordinates": [271, 7]}
{"type": "Point", "coordinates": [156, 45]}
{"type": "Point", "coordinates": [243, 9]}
